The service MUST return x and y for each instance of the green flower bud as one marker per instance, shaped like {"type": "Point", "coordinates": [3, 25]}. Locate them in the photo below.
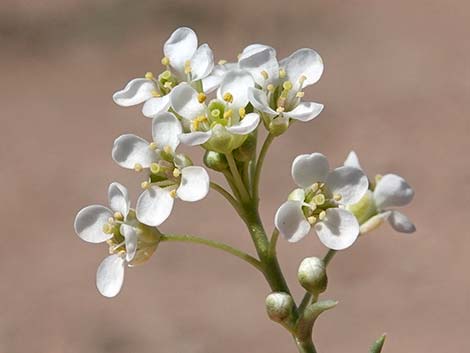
{"type": "Point", "coordinates": [279, 306]}
{"type": "Point", "coordinates": [215, 161]}
{"type": "Point", "coordinates": [246, 151]}
{"type": "Point", "coordinates": [312, 275]}
{"type": "Point", "coordinates": [278, 125]}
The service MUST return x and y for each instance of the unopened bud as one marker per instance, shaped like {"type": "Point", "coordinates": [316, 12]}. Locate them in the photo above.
{"type": "Point", "coordinates": [279, 306]}
{"type": "Point", "coordinates": [373, 223]}
{"type": "Point", "coordinates": [215, 161]}
{"type": "Point", "coordinates": [247, 150]}
{"type": "Point", "coordinates": [312, 275]}
{"type": "Point", "coordinates": [278, 125]}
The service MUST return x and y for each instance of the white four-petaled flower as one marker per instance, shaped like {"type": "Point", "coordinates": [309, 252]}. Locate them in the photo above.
{"type": "Point", "coordinates": [320, 201]}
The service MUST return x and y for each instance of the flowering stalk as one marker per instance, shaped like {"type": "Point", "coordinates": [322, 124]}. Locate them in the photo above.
{"type": "Point", "coordinates": [257, 91]}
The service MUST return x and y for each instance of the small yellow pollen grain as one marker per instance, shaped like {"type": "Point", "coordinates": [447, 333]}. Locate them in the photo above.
{"type": "Point", "coordinates": [222, 62]}
{"type": "Point", "coordinates": [145, 185]}
{"type": "Point", "coordinates": [187, 67]}
{"type": "Point", "coordinates": [155, 168]}
{"type": "Point", "coordinates": [176, 172]}
{"type": "Point", "coordinates": [201, 97]}
{"type": "Point", "coordinates": [165, 61]}
{"type": "Point", "coordinates": [173, 193]}
{"type": "Point", "coordinates": [155, 93]}
{"type": "Point", "coordinates": [153, 146]}
{"type": "Point", "coordinates": [270, 88]}
{"type": "Point", "coordinates": [265, 74]}
{"type": "Point", "coordinates": [149, 76]}
{"type": "Point", "coordinates": [138, 167]}
{"type": "Point", "coordinates": [107, 228]}
{"type": "Point", "coordinates": [280, 109]}
{"type": "Point", "coordinates": [242, 112]}
{"type": "Point", "coordinates": [287, 85]}
{"type": "Point", "coordinates": [282, 73]}
{"type": "Point", "coordinates": [300, 94]}
{"type": "Point", "coordinates": [228, 97]}
{"type": "Point", "coordinates": [118, 216]}
{"type": "Point", "coordinates": [228, 114]}
{"type": "Point", "coordinates": [337, 197]}
{"type": "Point", "coordinates": [312, 219]}
{"type": "Point", "coordinates": [322, 215]}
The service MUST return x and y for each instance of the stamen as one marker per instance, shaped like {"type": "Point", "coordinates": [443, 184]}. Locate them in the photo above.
{"type": "Point", "coordinates": [280, 109]}
{"type": "Point", "coordinates": [228, 97]}
{"type": "Point", "coordinates": [222, 62]}
{"type": "Point", "coordinates": [377, 178]}
{"type": "Point", "coordinates": [322, 215]}
{"type": "Point", "coordinates": [138, 167]}
{"type": "Point", "coordinates": [312, 219]}
{"type": "Point", "coordinates": [282, 73]}
{"type": "Point", "coordinates": [167, 149]}
{"type": "Point", "coordinates": [173, 193]}
{"type": "Point", "coordinates": [149, 76]}
{"type": "Point", "coordinates": [300, 94]}
{"type": "Point", "coordinates": [155, 168]}
{"type": "Point", "coordinates": [153, 146]}
{"type": "Point", "coordinates": [302, 79]}
{"type": "Point", "coordinates": [228, 114]}
{"type": "Point", "coordinates": [242, 112]}
{"type": "Point", "coordinates": [145, 185]}
{"type": "Point", "coordinates": [201, 97]}
{"type": "Point", "coordinates": [165, 61]}
{"type": "Point", "coordinates": [155, 93]}
{"type": "Point", "coordinates": [176, 172]}
{"type": "Point", "coordinates": [187, 67]}
{"type": "Point", "coordinates": [287, 85]}
{"type": "Point", "coordinates": [337, 197]}
{"type": "Point", "coordinates": [270, 88]}
{"type": "Point", "coordinates": [315, 187]}
{"type": "Point", "coordinates": [168, 85]}
{"type": "Point", "coordinates": [107, 228]}
{"type": "Point", "coordinates": [118, 216]}
{"type": "Point", "coordinates": [265, 74]}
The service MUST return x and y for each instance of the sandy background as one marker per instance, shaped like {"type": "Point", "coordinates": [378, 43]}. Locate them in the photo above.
{"type": "Point", "coordinates": [396, 89]}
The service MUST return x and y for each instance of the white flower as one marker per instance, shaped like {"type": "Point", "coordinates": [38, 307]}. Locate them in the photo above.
{"type": "Point", "coordinates": [377, 205]}
{"type": "Point", "coordinates": [320, 202]}
{"type": "Point", "coordinates": [281, 84]}
{"type": "Point", "coordinates": [129, 242]}
{"type": "Point", "coordinates": [170, 175]}
{"type": "Point", "coordinates": [184, 62]}
{"type": "Point", "coordinates": [223, 124]}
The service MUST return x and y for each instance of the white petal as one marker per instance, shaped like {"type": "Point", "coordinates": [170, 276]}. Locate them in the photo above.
{"type": "Point", "coordinates": [352, 160]}
{"type": "Point", "coordinates": [202, 62]}
{"type": "Point", "coordinates": [309, 168]}
{"type": "Point", "coordinates": [257, 58]}
{"type": "Point", "coordinates": [391, 191]}
{"type": "Point", "coordinates": [89, 223]}
{"type": "Point", "coordinates": [259, 100]}
{"type": "Point", "coordinates": [165, 130]}
{"type": "Point", "coordinates": [304, 62]}
{"type": "Point", "coordinates": [349, 182]}
{"type": "Point", "coordinates": [195, 138]}
{"type": "Point", "coordinates": [154, 206]}
{"type": "Point", "coordinates": [194, 184]}
{"type": "Point", "coordinates": [130, 236]}
{"type": "Point", "coordinates": [297, 195]}
{"type": "Point", "coordinates": [118, 197]}
{"type": "Point", "coordinates": [400, 222]}
{"type": "Point", "coordinates": [110, 276]}
{"type": "Point", "coordinates": [339, 230]}
{"type": "Point", "coordinates": [291, 222]}
{"type": "Point", "coordinates": [156, 105]}
{"type": "Point", "coordinates": [180, 47]}
{"type": "Point", "coordinates": [248, 124]}
{"type": "Point", "coordinates": [237, 83]}
{"type": "Point", "coordinates": [129, 150]}
{"type": "Point", "coordinates": [136, 91]}
{"type": "Point", "coordinates": [305, 111]}
{"type": "Point", "coordinates": [184, 100]}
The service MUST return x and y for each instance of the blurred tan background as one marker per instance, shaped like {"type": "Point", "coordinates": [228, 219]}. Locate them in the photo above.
{"type": "Point", "coordinates": [396, 89]}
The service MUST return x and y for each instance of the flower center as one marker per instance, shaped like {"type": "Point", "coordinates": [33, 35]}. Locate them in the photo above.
{"type": "Point", "coordinates": [318, 198]}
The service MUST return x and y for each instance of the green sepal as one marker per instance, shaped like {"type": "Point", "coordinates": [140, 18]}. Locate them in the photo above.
{"type": "Point", "coordinates": [378, 345]}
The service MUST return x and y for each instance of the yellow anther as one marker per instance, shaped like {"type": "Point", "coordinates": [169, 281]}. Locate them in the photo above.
{"type": "Point", "coordinates": [300, 94]}
{"type": "Point", "coordinates": [280, 109]}
{"type": "Point", "coordinates": [187, 67]}
{"type": "Point", "coordinates": [322, 215]}
{"type": "Point", "coordinates": [287, 85]}
{"type": "Point", "coordinates": [228, 114]}
{"type": "Point", "coordinates": [228, 97]}
{"type": "Point", "coordinates": [265, 74]}
{"type": "Point", "coordinates": [153, 146]}
{"type": "Point", "coordinates": [196, 122]}
{"type": "Point", "coordinates": [138, 167]}
{"type": "Point", "coordinates": [173, 193]}
{"type": "Point", "coordinates": [312, 219]}
{"type": "Point", "coordinates": [118, 216]}
{"type": "Point", "coordinates": [319, 199]}
{"type": "Point", "coordinates": [149, 76]}
{"type": "Point", "coordinates": [312, 206]}
{"type": "Point", "coordinates": [222, 62]}
{"type": "Point", "coordinates": [155, 93]}
{"type": "Point", "coordinates": [165, 61]}
{"type": "Point", "coordinates": [270, 87]}
{"type": "Point", "coordinates": [302, 79]}
{"type": "Point", "coordinates": [176, 172]}
{"type": "Point", "coordinates": [168, 85]}
{"type": "Point", "coordinates": [110, 220]}
{"type": "Point", "coordinates": [155, 168]}
{"type": "Point", "coordinates": [337, 197]}
{"type": "Point", "coordinates": [167, 149]}
{"type": "Point", "coordinates": [107, 228]}
{"type": "Point", "coordinates": [145, 185]}
{"type": "Point", "coordinates": [282, 73]}
{"type": "Point", "coordinates": [242, 112]}
{"type": "Point", "coordinates": [201, 97]}
{"type": "Point", "coordinates": [314, 187]}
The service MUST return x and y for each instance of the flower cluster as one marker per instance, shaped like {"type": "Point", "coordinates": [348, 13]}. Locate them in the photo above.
{"type": "Point", "coordinates": [222, 107]}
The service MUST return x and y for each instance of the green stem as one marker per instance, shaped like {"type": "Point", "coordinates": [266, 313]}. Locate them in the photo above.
{"type": "Point", "coordinates": [259, 166]}
{"type": "Point", "coordinates": [305, 346]}
{"type": "Point", "coordinates": [213, 244]}
{"type": "Point", "coordinates": [237, 178]}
